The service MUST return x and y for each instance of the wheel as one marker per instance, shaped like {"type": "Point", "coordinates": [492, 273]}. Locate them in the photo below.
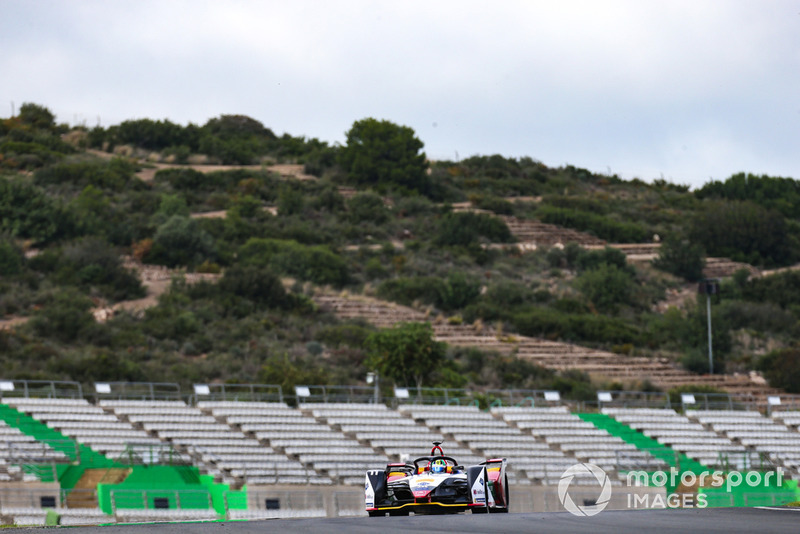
{"type": "Point", "coordinates": [504, 509]}
{"type": "Point", "coordinates": [376, 513]}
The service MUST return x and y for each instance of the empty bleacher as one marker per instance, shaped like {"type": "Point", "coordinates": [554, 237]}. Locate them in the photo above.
{"type": "Point", "coordinates": [255, 458]}
{"type": "Point", "coordinates": [84, 422]}
{"type": "Point", "coordinates": [757, 433]}
{"type": "Point", "coordinates": [678, 432]}
{"type": "Point", "coordinates": [563, 439]}
{"type": "Point", "coordinates": [260, 443]}
{"type": "Point", "coordinates": [330, 450]}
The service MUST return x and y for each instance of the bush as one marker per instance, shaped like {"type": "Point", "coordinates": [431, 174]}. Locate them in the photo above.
{"type": "Point", "coordinates": [761, 317]}
{"type": "Point", "coordinates": [26, 212]}
{"type": "Point", "coordinates": [12, 260]}
{"type": "Point", "coordinates": [181, 241]}
{"type": "Point", "coordinates": [743, 231]}
{"type": "Point", "coordinates": [607, 287]}
{"type": "Point", "coordinates": [367, 207]}
{"type": "Point", "coordinates": [599, 225]}
{"type": "Point", "coordinates": [352, 335]}
{"type": "Point", "coordinates": [65, 318]}
{"type": "Point", "coordinates": [458, 291]}
{"type": "Point", "coordinates": [508, 294]}
{"type": "Point", "coordinates": [782, 289]}
{"type": "Point", "coordinates": [257, 284]}
{"type": "Point", "coordinates": [114, 175]}
{"type": "Point", "coordinates": [92, 264]}
{"type": "Point", "coordinates": [492, 203]}
{"type": "Point", "coordinates": [315, 263]}
{"type": "Point", "coordinates": [782, 369]}
{"type": "Point", "coordinates": [405, 290]}
{"type": "Point", "coordinates": [543, 322]}
{"type": "Point", "coordinates": [290, 201]}
{"type": "Point", "coordinates": [681, 258]}
{"type": "Point", "coordinates": [455, 292]}
{"type": "Point", "coordinates": [466, 228]}
{"type": "Point", "coordinates": [696, 361]}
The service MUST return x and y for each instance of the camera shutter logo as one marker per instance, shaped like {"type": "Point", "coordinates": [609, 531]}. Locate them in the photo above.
{"type": "Point", "coordinates": [566, 480]}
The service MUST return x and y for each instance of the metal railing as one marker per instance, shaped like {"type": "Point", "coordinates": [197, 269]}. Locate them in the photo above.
{"type": "Point", "coordinates": [159, 499]}
{"type": "Point", "coordinates": [137, 391]}
{"type": "Point", "coordinates": [349, 394]}
{"type": "Point", "coordinates": [366, 394]}
{"type": "Point", "coordinates": [151, 454]}
{"type": "Point", "coordinates": [241, 392]}
{"type": "Point", "coordinates": [47, 389]}
{"type": "Point", "coordinates": [715, 401]}
{"type": "Point", "coordinates": [47, 498]}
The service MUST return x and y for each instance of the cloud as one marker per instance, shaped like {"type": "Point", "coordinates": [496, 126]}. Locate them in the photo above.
{"type": "Point", "coordinates": [687, 89]}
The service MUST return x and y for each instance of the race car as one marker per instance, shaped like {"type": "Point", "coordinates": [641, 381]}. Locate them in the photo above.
{"type": "Point", "coordinates": [437, 484]}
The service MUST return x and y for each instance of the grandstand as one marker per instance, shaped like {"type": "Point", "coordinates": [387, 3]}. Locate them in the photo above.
{"type": "Point", "coordinates": [143, 452]}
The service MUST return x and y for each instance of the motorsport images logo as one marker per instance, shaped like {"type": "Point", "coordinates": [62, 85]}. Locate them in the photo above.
{"type": "Point", "coordinates": [582, 470]}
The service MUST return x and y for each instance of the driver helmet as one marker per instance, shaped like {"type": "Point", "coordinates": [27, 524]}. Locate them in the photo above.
{"type": "Point", "coordinates": [438, 466]}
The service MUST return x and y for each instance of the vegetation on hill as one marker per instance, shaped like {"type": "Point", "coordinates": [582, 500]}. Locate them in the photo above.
{"type": "Point", "coordinates": [380, 220]}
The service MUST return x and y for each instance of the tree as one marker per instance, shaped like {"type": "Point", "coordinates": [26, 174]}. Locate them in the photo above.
{"type": "Point", "coordinates": [681, 258]}
{"type": "Point", "coordinates": [408, 352]}
{"type": "Point", "coordinates": [386, 156]}
{"type": "Point", "coordinates": [36, 116]}
{"type": "Point", "coordinates": [743, 231]}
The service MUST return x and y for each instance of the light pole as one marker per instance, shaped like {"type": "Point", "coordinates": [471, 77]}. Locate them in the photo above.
{"type": "Point", "coordinates": [374, 378]}
{"type": "Point", "coordinates": [709, 286]}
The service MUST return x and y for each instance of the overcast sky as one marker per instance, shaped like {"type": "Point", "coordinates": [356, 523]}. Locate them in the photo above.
{"type": "Point", "coordinates": [684, 90]}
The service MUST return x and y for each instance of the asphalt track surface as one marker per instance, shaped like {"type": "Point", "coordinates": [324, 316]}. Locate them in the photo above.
{"type": "Point", "coordinates": [710, 520]}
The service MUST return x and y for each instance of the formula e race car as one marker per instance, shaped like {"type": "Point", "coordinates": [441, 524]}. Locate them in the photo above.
{"type": "Point", "coordinates": [437, 484]}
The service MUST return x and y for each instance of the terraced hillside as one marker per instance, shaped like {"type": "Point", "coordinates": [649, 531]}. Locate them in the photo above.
{"type": "Point", "coordinates": [550, 354]}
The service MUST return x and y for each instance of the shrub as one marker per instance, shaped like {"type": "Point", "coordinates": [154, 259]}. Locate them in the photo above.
{"type": "Point", "coordinates": [367, 207]}
{"type": "Point", "coordinates": [465, 228]}
{"type": "Point", "coordinates": [352, 335]}
{"type": "Point", "coordinates": [65, 318]}
{"type": "Point", "coordinates": [27, 212]}
{"type": "Point", "coordinates": [743, 231]}
{"type": "Point", "coordinates": [405, 290]}
{"type": "Point", "coordinates": [11, 259]}
{"type": "Point", "coordinates": [782, 369]}
{"type": "Point", "coordinates": [602, 226]}
{"type": "Point", "coordinates": [114, 175]}
{"type": "Point", "coordinates": [681, 258]}
{"type": "Point", "coordinates": [458, 291]}
{"type": "Point", "coordinates": [290, 201]}
{"type": "Point", "coordinates": [492, 203]}
{"type": "Point", "coordinates": [543, 322]}
{"type": "Point", "coordinates": [508, 294]}
{"type": "Point", "coordinates": [607, 287]}
{"type": "Point", "coordinates": [181, 241]}
{"type": "Point", "coordinates": [92, 264]}
{"type": "Point", "coordinates": [257, 284]}
{"type": "Point", "coordinates": [315, 263]}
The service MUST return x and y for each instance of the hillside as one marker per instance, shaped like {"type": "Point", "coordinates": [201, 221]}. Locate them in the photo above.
{"type": "Point", "coordinates": [152, 251]}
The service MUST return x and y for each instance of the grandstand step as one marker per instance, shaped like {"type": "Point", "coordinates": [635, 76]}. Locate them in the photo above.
{"type": "Point", "coordinates": [58, 441]}
{"type": "Point", "coordinates": [642, 442]}
{"type": "Point", "coordinates": [84, 493]}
